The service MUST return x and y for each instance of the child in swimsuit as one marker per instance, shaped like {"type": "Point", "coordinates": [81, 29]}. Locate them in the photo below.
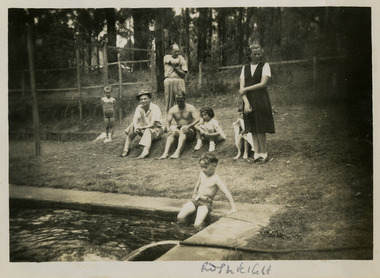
{"type": "Point", "coordinates": [108, 104]}
{"type": "Point", "coordinates": [205, 190]}
{"type": "Point", "coordinates": [242, 136]}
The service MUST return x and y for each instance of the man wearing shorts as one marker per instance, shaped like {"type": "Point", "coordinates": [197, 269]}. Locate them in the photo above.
{"type": "Point", "coordinates": [185, 117]}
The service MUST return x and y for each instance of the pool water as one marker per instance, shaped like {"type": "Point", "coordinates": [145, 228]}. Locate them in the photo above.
{"type": "Point", "coordinates": [59, 234]}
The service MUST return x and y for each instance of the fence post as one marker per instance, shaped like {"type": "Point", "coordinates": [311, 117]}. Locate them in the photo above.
{"type": "Point", "coordinates": [199, 76]}
{"type": "Point", "coordinates": [105, 64]}
{"type": "Point", "coordinates": [36, 121]}
{"type": "Point", "coordinates": [314, 73]}
{"type": "Point", "coordinates": [152, 68]}
{"type": "Point", "coordinates": [120, 84]}
{"type": "Point", "coordinates": [78, 82]}
{"type": "Point", "coordinates": [22, 83]}
{"type": "Point", "coordinates": [25, 103]}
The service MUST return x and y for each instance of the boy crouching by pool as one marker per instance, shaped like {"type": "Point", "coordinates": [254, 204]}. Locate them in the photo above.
{"type": "Point", "coordinates": [205, 190]}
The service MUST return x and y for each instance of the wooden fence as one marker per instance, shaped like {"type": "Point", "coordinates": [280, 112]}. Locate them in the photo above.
{"type": "Point", "coordinates": [313, 61]}
{"type": "Point", "coordinates": [79, 89]}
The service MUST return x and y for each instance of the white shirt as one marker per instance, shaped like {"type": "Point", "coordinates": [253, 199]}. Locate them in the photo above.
{"type": "Point", "coordinates": [266, 70]}
{"type": "Point", "coordinates": [213, 126]}
{"type": "Point", "coordinates": [168, 69]}
{"type": "Point", "coordinates": [142, 118]}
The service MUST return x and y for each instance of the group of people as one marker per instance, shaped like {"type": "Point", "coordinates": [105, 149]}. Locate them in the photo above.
{"type": "Point", "coordinates": [184, 123]}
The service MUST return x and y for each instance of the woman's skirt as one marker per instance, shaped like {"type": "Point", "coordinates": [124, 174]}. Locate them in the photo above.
{"type": "Point", "coordinates": [260, 120]}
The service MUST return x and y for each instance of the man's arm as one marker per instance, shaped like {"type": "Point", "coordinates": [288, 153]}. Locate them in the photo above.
{"type": "Point", "coordinates": [198, 126]}
{"type": "Point", "coordinates": [178, 71]}
{"type": "Point", "coordinates": [181, 71]}
{"type": "Point", "coordinates": [156, 117]}
{"type": "Point", "coordinates": [169, 119]}
{"type": "Point", "coordinates": [196, 117]}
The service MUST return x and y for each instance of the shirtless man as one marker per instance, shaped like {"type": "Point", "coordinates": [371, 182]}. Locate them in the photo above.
{"type": "Point", "coordinates": [186, 117]}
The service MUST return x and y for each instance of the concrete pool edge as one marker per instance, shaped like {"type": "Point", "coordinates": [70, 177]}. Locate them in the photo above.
{"type": "Point", "coordinates": [232, 231]}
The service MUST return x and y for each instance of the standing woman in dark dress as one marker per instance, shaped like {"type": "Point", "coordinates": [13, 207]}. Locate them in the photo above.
{"type": "Point", "coordinates": [258, 118]}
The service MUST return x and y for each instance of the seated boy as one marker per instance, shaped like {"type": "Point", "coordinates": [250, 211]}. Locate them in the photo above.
{"type": "Point", "coordinates": [205, 190]}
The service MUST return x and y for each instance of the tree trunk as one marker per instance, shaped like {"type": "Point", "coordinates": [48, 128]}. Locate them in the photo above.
{"type": "Point", "coordinates": [209, 32]}
{"type": "Point", "coordinates": [139, 33]}
{"type": "Point", "coordinates": [187, 38]}
{"type": "Point", "coordinates": [248, 28]}
{"type": "Point", "coordinates": [222, 35]}
{"type": "Point", "coordinates": [202, 31]}
{"type": "Point", "coordinates": [160, 51]}
{"type": "Point", "coordinates": [111, 33]}
{"type": "Point", "coordinates": [240, 32]}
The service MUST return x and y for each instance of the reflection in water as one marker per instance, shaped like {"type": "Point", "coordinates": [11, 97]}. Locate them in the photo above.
{"type": "Point", "coordinates": [41, 235]}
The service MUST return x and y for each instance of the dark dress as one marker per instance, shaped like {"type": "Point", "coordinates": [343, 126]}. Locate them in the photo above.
{"type": "Point", "coordinates": [260, 120]}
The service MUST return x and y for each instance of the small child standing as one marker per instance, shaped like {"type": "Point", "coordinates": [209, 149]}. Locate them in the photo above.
{"type": "Point", "coordinates": [241, 135]}
{"type": "Point", "coordinates": [108, 104]}
{"type": "Point", "coordinates": [209, 129]}
{"type": "Point", "coordinates": [205, 190]}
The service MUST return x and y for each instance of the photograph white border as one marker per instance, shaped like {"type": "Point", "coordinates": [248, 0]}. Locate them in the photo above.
{"type": "Point", "coordinates": [293, 269]}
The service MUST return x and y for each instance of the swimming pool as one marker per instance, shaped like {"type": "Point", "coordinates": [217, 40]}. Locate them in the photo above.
{"type": "Point", "coordinates": [47, 234]}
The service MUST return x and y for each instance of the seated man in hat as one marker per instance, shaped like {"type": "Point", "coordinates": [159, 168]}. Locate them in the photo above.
{"type": "Point", "coordinates": [146, 123]}
{"type": "Point", "coordinates": [180, 123]}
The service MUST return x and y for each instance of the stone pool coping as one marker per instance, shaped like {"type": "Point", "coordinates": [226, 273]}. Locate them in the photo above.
{"type": "Point", "coordinates": [233, 231]}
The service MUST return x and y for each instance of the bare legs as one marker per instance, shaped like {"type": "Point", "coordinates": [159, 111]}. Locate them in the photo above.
{"type": "Point", "coordinates": [169, 141]}
{"type": "Point", "coordinates": [188, 209]}
{"type": "Point", "coordinates": [109, 123]}
{"type": "Point", "coordinates": [181, 141]}
{"type": "Point", "coordinates": [127, 144]}
{"type": "Point", "coordinates": [239, 148]}
{"type": "Point", "coordinates": [260, 145]}
{"type": "Point", "coordinates": [146, 141]}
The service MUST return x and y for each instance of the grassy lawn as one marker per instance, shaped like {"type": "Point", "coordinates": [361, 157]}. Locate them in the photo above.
{"type": "Point", "coordinates": [321, 175]}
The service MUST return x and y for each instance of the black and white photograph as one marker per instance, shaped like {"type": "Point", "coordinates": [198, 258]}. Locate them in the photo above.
{"type": "Point", "coordinates": [189, 139]}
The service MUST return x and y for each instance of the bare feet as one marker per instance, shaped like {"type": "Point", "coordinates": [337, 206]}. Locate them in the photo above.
{"type": "Point", "coordinates": [164, 156]}
{"type": "Point", "coordinates": [245, 156]}
{"type": "Point", "coordinates": [237, 156]}
{"type": "Point", "coordinates": [174, 155]}
{"type": "Point", "coordinates": [125, 153]}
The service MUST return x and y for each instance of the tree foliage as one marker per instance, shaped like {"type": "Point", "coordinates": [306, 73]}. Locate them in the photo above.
{"type": "Point", "coordinates": [208, 35]}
